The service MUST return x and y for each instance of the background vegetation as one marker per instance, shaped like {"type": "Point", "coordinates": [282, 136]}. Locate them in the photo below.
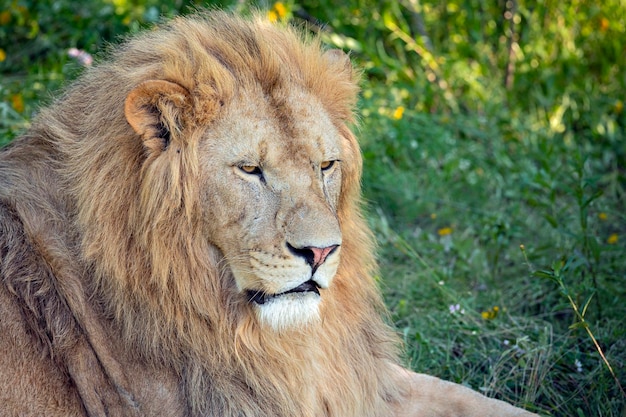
{"type": "Point", "coordinates": [495, 156]}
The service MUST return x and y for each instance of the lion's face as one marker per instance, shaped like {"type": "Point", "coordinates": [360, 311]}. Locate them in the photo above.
{"type": "Point", "coordinates": [262, 159]}
{"type": "Point", "coordinates": [272, 175]}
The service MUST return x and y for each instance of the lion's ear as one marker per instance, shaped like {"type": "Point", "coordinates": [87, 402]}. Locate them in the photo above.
{"type": "Point", "coordinates": [340, 61]}
{"type": "Point", "coordinates": [155, 109]}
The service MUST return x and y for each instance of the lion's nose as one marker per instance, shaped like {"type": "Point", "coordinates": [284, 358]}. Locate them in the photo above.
{"type": "Point", "coordinates": [314, 256]}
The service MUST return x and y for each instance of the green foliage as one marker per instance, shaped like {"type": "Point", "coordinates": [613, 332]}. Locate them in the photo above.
{"type": "Point", "coordinates": [486, 127]}
{"type": "Point", "coordinates": [451, 202]}
{"type": "Point", "coordinates": [36, 35]}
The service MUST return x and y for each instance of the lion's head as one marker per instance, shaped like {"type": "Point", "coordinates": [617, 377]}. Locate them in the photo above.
{"type": "Point", "coordinates": [270, 162]}
{"type": "Point", "coordinates": [241, 178]}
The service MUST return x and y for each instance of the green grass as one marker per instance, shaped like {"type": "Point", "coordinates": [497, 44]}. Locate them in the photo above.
{"type": "Point", "coordinates": [452, 199]}
{"type": "Point", "coordinates": [455, 183]}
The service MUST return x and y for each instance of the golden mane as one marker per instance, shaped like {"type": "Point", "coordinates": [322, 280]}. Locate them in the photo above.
{"type": "Point", "coordinates": [138, 219]}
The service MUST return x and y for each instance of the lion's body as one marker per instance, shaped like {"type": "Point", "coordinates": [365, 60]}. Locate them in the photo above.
{"type": "Point", "coordinates": [180, 235]}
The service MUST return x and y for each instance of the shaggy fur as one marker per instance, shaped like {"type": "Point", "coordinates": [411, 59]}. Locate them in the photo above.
{"type": "Point", "coordinates": [114, 299]}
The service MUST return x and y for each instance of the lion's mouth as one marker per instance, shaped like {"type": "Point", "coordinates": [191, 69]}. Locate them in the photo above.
{"type": "Point", "coordinates": [260, 297]}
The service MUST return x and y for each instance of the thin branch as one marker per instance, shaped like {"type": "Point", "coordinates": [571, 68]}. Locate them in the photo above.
{"type": "Point", "coordinates": [509, 15]}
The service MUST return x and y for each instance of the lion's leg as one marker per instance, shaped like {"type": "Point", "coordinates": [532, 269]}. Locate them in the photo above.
{"type": "Point", "coordinates": [31, 384]}
{"type": "Point", "coordinates": [429, 396]}
{"type": "Point", "coordinates": [46, 359]}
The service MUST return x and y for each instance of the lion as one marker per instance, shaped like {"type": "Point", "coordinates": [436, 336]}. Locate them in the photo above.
{"type": "Point", "coordinates": [181, 235]}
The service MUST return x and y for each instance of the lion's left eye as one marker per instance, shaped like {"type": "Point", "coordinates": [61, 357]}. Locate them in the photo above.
{"type": "Point", "coordinates": [326, 165]}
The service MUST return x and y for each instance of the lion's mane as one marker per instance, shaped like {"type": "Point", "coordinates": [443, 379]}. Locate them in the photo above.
{"type": "Point", "coordinates": [117, 228]}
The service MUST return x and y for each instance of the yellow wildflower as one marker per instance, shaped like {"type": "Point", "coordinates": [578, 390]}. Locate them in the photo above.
{"type": "Point", "coordinates": [433, 216]}
{"type": "Point", "coordinates": [612, 240]}
{"type": "Point", "coordinates": [280, 9]}
{"type": "Point", "coordinates": [618, 106]}
{"type": "Point", "coordinates": [602, 216]}
{"type": "Point", "coordinates": [444, 231]}
{"type": "Point", "coordinates": [17, 101]}
{"type": "Point", "coordinates": [278, 12]}
{"type": "Point", "coordinates": [3, 55]}
{"type": "Point", "coordinates": [398, 113]}
{"type": "Point", "coordinates": [604, 24]}
{"type": "Point", "coordinates": [490, 314]}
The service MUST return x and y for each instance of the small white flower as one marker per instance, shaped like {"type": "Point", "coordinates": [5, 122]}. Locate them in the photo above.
{"type": "Point", "coordinates": [579, 366]}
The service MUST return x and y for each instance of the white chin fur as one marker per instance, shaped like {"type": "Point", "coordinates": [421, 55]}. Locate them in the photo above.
{"type": "Point", "coordinates": [289, 311]}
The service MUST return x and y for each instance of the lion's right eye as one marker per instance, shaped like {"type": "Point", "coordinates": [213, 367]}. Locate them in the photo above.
{"type": "Point", "coordinates": [251, 169]}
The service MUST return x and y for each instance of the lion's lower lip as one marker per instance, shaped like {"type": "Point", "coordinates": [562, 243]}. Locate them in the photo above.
{"type": "Point", "coordinates": [260, 297]}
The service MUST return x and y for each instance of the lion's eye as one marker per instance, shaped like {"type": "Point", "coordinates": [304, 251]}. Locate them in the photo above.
{"type": "Point", "coordinates": [251, 169]}
{"type": "Point", "coordinates": [326, 165]}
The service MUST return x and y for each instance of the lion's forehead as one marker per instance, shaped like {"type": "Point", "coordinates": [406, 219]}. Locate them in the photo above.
{"type": "Point", "coordinates": [291, 127]}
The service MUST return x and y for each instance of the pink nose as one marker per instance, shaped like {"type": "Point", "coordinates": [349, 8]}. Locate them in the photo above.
{"type": "Point", "coordinates": [320, 254]}
{"type": "Point", "coordinates": [314, 256]}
